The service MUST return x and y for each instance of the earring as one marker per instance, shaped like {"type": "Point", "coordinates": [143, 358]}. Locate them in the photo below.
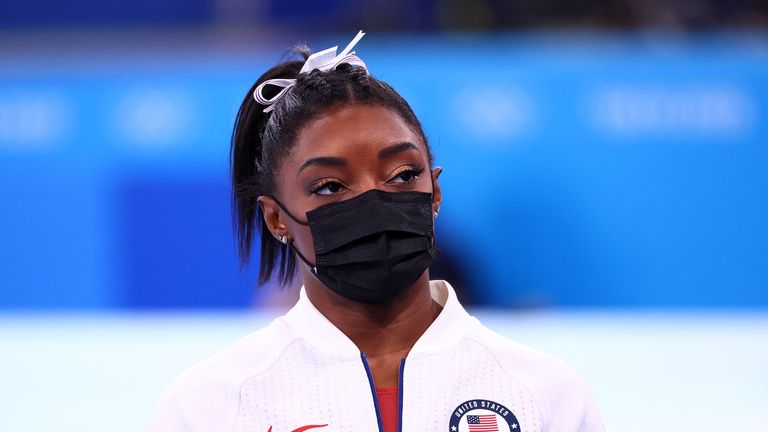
{"type": "Point", "coordinates": [281, 238]}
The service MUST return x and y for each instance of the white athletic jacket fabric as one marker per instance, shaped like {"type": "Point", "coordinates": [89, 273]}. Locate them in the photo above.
{"type": "Point", "coordinates": [302, 373]}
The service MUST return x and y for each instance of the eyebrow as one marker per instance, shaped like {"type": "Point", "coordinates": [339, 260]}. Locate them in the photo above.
{"type": "Point", "coordinates": [396, 148]}
{"type": "Point", "coordinates": [328, 161]}
{"type": "Point", "coordinates": [331, 161]}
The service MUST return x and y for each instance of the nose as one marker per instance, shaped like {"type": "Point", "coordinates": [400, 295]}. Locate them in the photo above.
{"type": "Point", "coordinates": [368, 182]}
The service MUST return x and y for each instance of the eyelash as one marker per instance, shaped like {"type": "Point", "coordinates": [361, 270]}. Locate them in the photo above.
{"type": "Point", "coordinates": [324, 183]}
{"type": "Point", "coordinates": [414, 172]}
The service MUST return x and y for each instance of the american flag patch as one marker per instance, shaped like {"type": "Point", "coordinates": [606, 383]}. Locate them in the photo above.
{"type": "Point", "coordinates": [482, 423]}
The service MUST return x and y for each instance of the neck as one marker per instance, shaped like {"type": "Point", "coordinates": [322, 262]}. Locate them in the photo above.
{"type": "Point", "coordinates": [380, 330]}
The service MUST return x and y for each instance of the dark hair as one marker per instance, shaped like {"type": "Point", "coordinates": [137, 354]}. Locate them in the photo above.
{"type": "Point", "coordinates": [260, 142]}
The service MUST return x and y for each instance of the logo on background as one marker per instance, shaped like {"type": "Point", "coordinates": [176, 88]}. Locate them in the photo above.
{"type": "Point", "coordinates": [480, 415]}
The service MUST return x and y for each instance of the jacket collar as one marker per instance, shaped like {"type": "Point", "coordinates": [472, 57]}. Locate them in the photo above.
{"type": "Point", "coordinates": [452, 323]}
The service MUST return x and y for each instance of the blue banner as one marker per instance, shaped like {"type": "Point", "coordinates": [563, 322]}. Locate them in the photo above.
{"type": "Point", "coordinates": [604, 170]}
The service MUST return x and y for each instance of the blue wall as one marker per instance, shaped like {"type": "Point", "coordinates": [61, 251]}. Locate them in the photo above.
{"type": "Point", "coordinates": [607, 170]}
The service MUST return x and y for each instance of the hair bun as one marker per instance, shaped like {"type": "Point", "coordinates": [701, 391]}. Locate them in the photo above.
{"type": "Point", "coordinates": [317, 81]}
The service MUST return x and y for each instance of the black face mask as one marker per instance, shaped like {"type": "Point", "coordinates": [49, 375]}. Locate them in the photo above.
{"type": "Point", "coordinates": [372, 247]}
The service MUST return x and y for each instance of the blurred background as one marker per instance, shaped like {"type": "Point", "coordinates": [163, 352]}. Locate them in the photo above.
{"type": "Point", "coordinates": [605, 191]}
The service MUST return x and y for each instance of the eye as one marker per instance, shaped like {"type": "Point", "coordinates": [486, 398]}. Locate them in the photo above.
{"type": "Point", "coordinates": [409, 175]}
{"type": "Point", "coordinates": [327, 187]}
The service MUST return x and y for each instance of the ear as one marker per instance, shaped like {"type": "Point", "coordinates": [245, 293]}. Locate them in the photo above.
{"type": "Point", "coordinates": [437, 196]}
{"type": "Point", "coordinates": [272, 212]}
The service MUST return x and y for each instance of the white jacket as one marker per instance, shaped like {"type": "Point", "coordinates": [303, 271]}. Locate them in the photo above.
{"type": "Point", "coordinates": [301, 370]}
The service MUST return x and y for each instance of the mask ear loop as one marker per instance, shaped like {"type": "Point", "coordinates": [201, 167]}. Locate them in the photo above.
{"type": "Point", "coordinates": [282, 207]}
{"type": "Point", "coordinates": [290, 243]}
{"type": "Point", "coordinates": [301, 256]}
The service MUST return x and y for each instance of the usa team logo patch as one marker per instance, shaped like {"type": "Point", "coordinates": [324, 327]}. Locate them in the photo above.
{"type": "Point", "coordinates": [480, 415]}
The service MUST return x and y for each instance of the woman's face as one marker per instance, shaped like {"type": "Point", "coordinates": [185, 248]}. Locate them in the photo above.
{"type": "Point", "coordinates": [346, 151]}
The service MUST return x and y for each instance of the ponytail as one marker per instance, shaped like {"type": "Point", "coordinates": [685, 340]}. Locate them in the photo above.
{"type": "Point", "coordinates": [251, 178]}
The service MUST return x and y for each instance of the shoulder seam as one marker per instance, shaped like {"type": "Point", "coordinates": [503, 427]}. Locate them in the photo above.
{"type": "Point", "coordinates": [261, 371]}
{"type": "Point", "coordinates": [505, 369]}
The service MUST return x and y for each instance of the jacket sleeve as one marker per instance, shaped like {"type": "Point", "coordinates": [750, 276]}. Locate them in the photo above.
{"type": "Point", "coordinates": [196, 404]}
{"type": "Point", "coordinates": [562, 396]}
{"type": "Point", "coordinates": [572, 407]}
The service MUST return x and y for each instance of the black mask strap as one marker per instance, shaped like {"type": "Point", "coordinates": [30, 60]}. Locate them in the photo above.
{"type": "Point", "coordinates": [279, 204]}
{"type": "Point", "coordinates": [293, 246]}
{"type": "Point", "coordinates": [306, 261]}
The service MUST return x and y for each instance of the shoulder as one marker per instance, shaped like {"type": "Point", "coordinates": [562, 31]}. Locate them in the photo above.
{"type": "Point", "coordinates": [564, 398]}
{"type": "Point", "coordinates": [205, 396]}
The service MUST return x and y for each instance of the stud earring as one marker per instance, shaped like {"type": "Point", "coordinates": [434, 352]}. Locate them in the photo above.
{"type": "Point", "coordinates": [281, 238]}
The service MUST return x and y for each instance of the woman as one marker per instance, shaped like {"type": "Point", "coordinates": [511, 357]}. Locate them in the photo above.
{"type": "Point", "coordinates": [330, 166]}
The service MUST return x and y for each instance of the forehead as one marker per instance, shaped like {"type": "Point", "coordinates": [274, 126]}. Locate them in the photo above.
{"type": "Point", "coordinates": [355, 130]}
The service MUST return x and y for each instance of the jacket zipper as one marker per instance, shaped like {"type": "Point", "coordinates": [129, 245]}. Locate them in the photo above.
{"type": "Point", "coordinates": [400, 397]}
{"type": "Point", "coordinates": [376, 397]}
{"type": "Point", "coordinates": [373, 391]}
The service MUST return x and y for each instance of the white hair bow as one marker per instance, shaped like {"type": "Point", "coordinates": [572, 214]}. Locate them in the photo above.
{"type": "Point", "coordinates": [324, 61]}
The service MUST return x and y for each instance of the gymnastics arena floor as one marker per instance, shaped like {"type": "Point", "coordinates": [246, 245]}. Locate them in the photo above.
{"type": "Point", "coordinates": [650, 371]}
